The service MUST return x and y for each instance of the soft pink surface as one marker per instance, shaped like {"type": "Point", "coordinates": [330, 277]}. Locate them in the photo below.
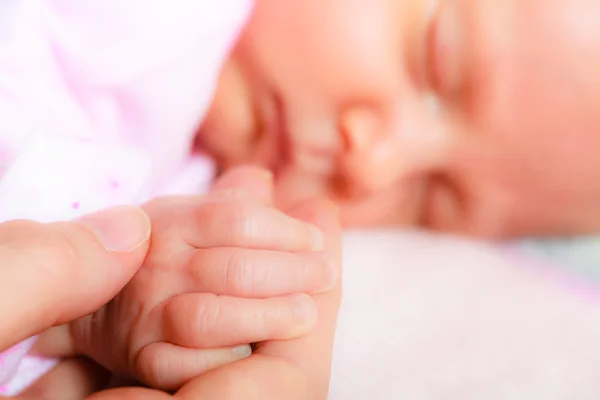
{"type": "Point", "coordinates": [139, 72]}
{"type": "Point", "coordinates": [99, 103]}
{"type": "Point", "coordinates": [437, 318]}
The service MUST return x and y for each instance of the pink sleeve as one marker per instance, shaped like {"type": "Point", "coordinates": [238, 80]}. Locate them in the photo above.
{"type": "Point", "coordinates": [99, 101]}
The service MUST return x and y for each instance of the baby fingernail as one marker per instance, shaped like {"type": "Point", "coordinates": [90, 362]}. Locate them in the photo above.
{"type": "Point", "coordinates": [241, 352]}
{"type": "Point", "coordinates": [305, 307]}
{"type": "Point", "coordinates": [119, 229]}
{"type": "Point", "coordinates": [316, 238]}
{"type": "Point", "coordinates": [332, 275]}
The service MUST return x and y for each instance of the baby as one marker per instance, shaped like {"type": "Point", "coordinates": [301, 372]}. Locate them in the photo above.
{"type": "Point", "coordinates": [471, 116]}
{"type": "Point", "coordinates": [99, 104]}
{"type": "Point", "coordinates": [450, 114]}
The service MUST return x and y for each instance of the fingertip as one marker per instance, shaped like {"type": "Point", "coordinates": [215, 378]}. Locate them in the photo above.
{"type": "Point", "coordinates": [168, 367]}
{"type": "Point", "coordinates": [316, 238]}
{"type": "Point", "coordinates": [121, 229]}
{"type": "Point", "coordinates": [306, 310]}
{"type": "Point", "coordinates": [323, 214]}
{"type": "Point", "coordinates": [256, 180]}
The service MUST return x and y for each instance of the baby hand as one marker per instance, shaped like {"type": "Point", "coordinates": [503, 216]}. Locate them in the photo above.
{"type": "Point", "coordinates": [223, 270]}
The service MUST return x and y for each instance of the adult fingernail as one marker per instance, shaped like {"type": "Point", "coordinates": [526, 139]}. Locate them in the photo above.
{"type": "Point", "coordinates": [241, 352]}
{"type": "Point", "coordinates": [119, 229]}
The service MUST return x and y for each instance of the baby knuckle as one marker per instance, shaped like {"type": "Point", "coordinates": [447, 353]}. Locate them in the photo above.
{"type": "Point", "coordinates": [243, 275]}
{"type": "Point", "coordinates": [241, 223]}
{"type": "Point", "coordinates": [154, 368]}
{"type": "Point", "coordinates": [207, 318]}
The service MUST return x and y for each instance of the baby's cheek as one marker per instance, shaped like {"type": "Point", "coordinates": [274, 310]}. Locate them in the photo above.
{"type": "Point", "coordinates": [231, 125]}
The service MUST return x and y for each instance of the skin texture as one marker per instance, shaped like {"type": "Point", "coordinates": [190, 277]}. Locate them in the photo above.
{"type": "Point", "coordinates": [58, 272]}
{"type": "Point", "coordinates": [55, 273]}
{"type": "Point", "coordinates": [223, 270]}
{"type": "Point", "coordinates": [293, 369]}
{"type": "Point", "coordinates": [336, 96]}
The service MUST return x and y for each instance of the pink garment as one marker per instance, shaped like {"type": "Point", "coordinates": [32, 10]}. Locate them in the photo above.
{"type": "Point", "coordinates": [99, 102]}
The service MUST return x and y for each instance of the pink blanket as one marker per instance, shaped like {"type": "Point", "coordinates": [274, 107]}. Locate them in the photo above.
{"type": "Point", "coordinates": [428, 317]}
{"type": "Point", "coordinates": [99, 104]}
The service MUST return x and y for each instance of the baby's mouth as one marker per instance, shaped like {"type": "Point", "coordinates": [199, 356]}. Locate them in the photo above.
{"type": "Point", "coordinates": [284, 148]}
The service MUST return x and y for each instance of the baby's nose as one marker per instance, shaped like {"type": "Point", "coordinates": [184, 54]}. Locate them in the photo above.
{"type": "Point", "coordinates": [382, 150]}
{"type": "Point", "coordinates": [370, 157]}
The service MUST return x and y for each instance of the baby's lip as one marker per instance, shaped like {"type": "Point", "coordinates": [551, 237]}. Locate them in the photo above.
{"type": "Point", "coordinates": [296, 150]}
{"type": "Point", "coordinates": [315, 161]}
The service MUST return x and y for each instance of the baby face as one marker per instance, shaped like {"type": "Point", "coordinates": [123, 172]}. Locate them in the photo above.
{"type": "Point", "coordinates": [475, 116]}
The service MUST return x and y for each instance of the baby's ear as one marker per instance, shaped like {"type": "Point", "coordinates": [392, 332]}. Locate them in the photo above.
{"type": "Point", "coordinates": [246, 180]}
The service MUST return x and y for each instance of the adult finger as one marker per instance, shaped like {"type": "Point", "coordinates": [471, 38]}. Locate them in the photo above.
{"type": "Point", "coordinates": [255, 378]}
{"type": "Point", "coordinates": [132, 393]}
{"type": "Point", "coordinates": [72, 379]}
{"type": "Point", "coordinates": [243, 272]}
{"type": "Point", "coordinates": [53, 273]}
{"type": "Point", "coordinates": [258, 377]}
{"type": "Point", "coordinates": [204, 321]}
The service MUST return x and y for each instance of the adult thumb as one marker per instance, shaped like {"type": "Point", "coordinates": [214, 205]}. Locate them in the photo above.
{"type": "Point", "coordinates": [53, 273]}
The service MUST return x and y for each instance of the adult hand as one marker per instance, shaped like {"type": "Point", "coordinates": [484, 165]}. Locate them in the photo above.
{"type": "Point", "coordinates": [53, 273]}
{"type": "Point", "coordinates": [292, 369]}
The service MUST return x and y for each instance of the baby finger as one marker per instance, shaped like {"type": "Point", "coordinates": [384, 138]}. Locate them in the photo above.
{"type": "Point", "coordinates": [168, 367]}
{"type": "Point", "coordinates": [202, 321]}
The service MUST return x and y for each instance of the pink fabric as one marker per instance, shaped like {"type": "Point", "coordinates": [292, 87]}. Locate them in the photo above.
{"type": "Point", "coordinates": [99, 101]}
{"type": "Point", "coordinates": [429, 317]}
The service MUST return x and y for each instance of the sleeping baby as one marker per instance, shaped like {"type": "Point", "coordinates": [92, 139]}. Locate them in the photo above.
{"type": "Point", "coordinates": [100, 103]}
{"type": "Point", "coordinates": [472, 116]}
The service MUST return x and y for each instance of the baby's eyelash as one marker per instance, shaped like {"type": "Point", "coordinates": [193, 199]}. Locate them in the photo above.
{"type": "Point", "coordinates": [445, 49]}
{"type": "Point", "coordinates": [430, 44]}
